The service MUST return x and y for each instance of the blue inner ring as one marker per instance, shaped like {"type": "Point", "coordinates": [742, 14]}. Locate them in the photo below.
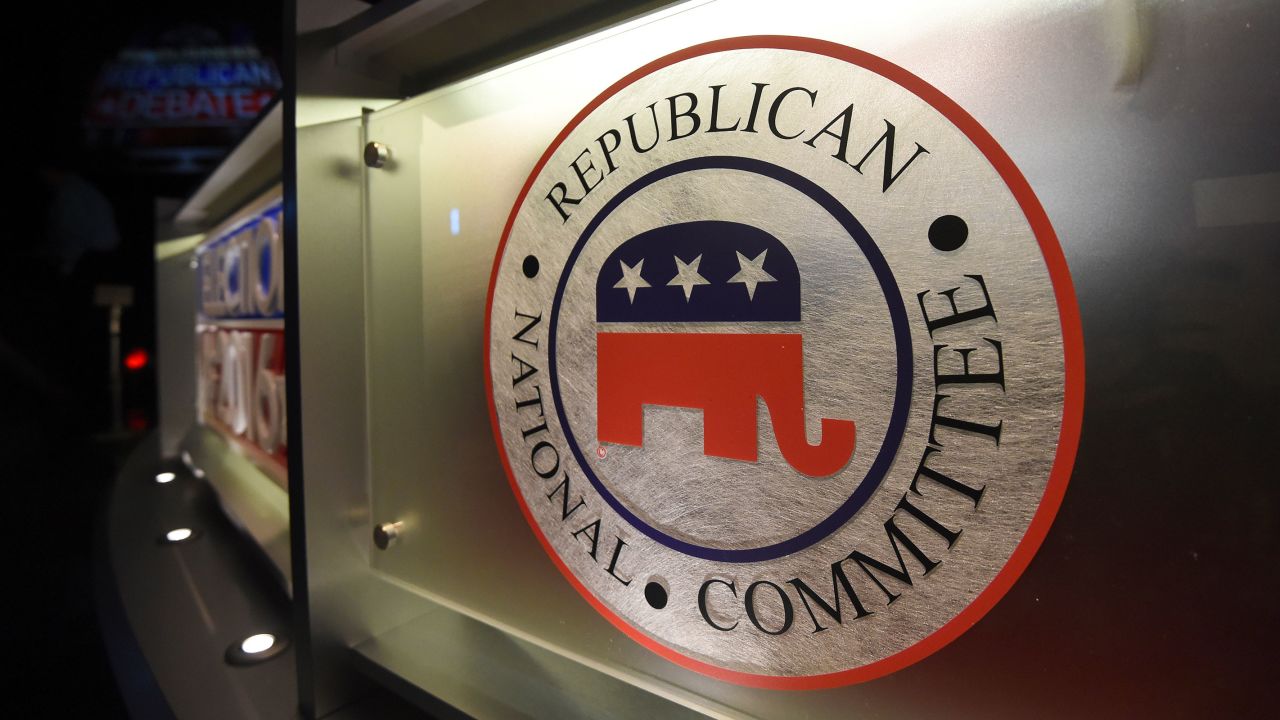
{"type": "Point", "coordinates": [902, 342]}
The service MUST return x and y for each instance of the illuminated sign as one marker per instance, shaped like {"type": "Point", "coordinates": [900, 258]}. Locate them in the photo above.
{"type": "Point", "coordinates": [242, 387]}
{"type": "Point", "coordinates": [239, 270]}
{"type": "Point", "coordinates": [784, 362]}
{"type": "Point", "coordinates": [176, 104]}
{"type": "Point", "coordinates": [240, 334]}
{"type": "Point", "coordinates": [186, 87]}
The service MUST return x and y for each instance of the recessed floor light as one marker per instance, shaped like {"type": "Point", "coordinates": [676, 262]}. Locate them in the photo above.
{"type": "Point", "coordinates": [179, 535]}
{"type": "Point", "coordinates": [256, 648]}
{"type": "Point", "coordinates": [166, 477]}
{"type": "Point", "coordinates": [255, 644]}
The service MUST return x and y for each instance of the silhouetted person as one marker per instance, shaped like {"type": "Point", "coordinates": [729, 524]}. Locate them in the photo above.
{"type": "Point", "coordinates": [80, 218]}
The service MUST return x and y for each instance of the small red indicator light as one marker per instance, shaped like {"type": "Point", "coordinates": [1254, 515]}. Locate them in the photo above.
{"type": "Point", "coordinates": [136, 359]}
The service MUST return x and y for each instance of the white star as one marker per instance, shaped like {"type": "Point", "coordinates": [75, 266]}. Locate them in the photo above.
{"type": "Point", "coordinates": [752, 273]}
{"type": "Point", "coordinates": [687, 276]}
{"type": "Point", "coordinates": [631, 280]}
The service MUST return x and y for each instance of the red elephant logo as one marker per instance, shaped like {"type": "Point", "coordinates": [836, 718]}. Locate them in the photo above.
{"type": "Point", "coordinates": [717, 272]}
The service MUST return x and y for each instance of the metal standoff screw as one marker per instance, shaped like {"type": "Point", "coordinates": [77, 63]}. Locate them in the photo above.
{"type": "Point", "coordinates": [385, 535]}
{"type": "Point", "coordinates": [376, 154]}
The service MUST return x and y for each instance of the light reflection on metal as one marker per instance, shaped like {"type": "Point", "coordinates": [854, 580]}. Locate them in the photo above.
{"type": "Point", "coordinates": [386, 534]}
{"type": "Point", "coordinates": [376, 154]}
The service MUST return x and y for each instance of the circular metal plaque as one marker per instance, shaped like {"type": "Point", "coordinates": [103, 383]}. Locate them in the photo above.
{"type": "Point", "coordinates": [784, 362]}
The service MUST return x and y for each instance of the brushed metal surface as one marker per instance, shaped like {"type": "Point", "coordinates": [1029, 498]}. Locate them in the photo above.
{"type": "Point", "coordinates": [376, 155]}
{"type": "Point", "coordinates": [849, 367]}
{"type": "Point", "coordinates": [1154, 588]}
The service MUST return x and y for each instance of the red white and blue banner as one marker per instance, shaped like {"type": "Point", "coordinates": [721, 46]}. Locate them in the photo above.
{"type": "Point", "coordinates": [240, 334]}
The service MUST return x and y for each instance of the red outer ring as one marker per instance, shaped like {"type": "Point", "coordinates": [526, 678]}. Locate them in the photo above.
{"type": "Point", "coordinates": [1073, 350]}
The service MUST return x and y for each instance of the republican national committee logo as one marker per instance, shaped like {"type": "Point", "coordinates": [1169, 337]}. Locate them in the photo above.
{"type": "Point", "coordinates": [784, 362]}
{"type": "Point", "coordinates": [663, 361]}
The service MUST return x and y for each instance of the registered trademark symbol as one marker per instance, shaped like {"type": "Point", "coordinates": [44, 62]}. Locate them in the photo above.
{"type": "Point", "coordinates": [601, 452]}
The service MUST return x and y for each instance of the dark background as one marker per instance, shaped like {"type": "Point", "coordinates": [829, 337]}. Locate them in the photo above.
{"type": "Point", "coordinates": [57, 452]}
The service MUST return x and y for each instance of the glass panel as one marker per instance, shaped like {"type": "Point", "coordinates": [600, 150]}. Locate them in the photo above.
{"type": "Point", "coordinates": [1153, 152]}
